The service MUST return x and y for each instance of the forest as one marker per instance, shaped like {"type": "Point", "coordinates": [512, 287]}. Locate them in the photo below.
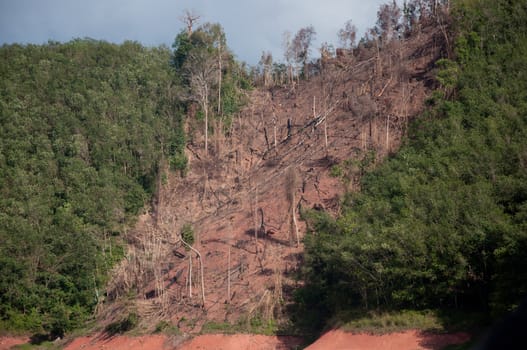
{"type": "Point", "coordinates": [84, 127]}
{"type": "Point", "coordinates": [442, 223]}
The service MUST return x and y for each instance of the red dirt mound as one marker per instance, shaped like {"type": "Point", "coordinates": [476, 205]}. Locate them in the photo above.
{"type": "Point", "coordinates": [412, 339]}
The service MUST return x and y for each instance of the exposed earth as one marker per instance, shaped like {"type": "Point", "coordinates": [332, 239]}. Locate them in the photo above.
{"type": "Point", "coordinates": [335, 339]}
{"type": "Point", "coordinates": [243, 199]}
{"type": "Point", "coordinates": [411, 339]}
{"type": "Point", "coordinates": [9, 342]}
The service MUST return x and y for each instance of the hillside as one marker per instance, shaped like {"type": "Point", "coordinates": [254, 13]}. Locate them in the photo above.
{"type": "Point", "coordinates": [149, 190]}
{"type": "Point", "coordinates": [259, 178]}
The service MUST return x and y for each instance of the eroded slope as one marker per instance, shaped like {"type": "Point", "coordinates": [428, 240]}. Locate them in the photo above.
{"type": "Point", "coordinates": [284, 153]}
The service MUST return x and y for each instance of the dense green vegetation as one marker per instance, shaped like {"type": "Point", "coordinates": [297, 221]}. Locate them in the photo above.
{"type": "Point", "coordinates": [84, 126]}
{"type": "Point", "coordinates": [442, 224]}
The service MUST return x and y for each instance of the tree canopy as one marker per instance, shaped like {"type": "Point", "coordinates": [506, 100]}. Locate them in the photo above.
{"type": "Point", "coordinates": [84, 126]}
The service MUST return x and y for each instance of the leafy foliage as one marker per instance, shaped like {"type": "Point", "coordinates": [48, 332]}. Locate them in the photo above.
{"type": "Point", "coordinates": [442, 223]}
{"type": "Point", "coordinates": [187, 234]}
{"type": "Point", "coordinates": [84, 126]}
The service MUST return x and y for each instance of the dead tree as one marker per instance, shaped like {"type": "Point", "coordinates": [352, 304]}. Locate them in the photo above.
{"type": "Point", "coordinates": [256, 218]}
{"type": "Point", "coordinates": [189, 18]}
{"type": "Point", "coordinates": [201, 70]}
{"type": "Point", "coordinates": [229, 263]}
{"type": "Point", "coordinates": [301, 45]}
{"type": "Point", "coordinates": [291, 185]}
{"type": "Point", "coordinates": [289, 56]}
{"type": "Point", "coordinates": [347, 35]}
{"type": "Point", "coordinates": [266, 62]}
{"type": "Point", "coordinates": [190, 272]}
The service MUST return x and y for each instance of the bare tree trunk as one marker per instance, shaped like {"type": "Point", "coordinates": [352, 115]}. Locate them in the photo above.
{"type": "Point", "coordinates": [229, 265]}
{"type": "Point", "coordinates": [218, 136]}
{"type": "Point", "coordinates": [274, 130]}
{"type": "Point", "coordinates": [326, 133]}
{"type": "Point", "coordinates": [256, 218]}
{"type": "Point", "coordinates": [201, 268]}
{"type": "Point", "coordinates": [378, 61]}
{"type": "Point", "coordinates": [291, 185]}
{"type": "Point", "coordinates": [442, 26]}
{"type": "Point", "coordinates": [293, 206]}
{"type": "Point", "coordinates": [229, 275]}
{"type": "Point", "coordinates": [388, 133]}
{"type": "Point", "coordinates": [189, 18]}
{"type": "Point", "coordinates": [190, 275]}
{"type": "Point", "coordinates": [219, 79]}
{"type": "Point", "coordinates": [205, 107]}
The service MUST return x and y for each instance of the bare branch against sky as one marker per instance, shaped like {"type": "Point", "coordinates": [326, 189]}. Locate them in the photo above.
{"type": "Point", "coordinates": [252, 26]}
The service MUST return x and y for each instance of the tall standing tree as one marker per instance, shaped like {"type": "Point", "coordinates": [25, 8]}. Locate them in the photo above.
{"type": "Point", "coordinates": [289, 55]}
{"type": "Point", "coordinates": [189, 18]}
{"type": "Point", "coordinates": [347, 35]}
{"type": "Point", "coordinates": [409, 17]}
{"type": "Point", "coordinates": [266, 63]}
{"type": "Point", "coordinates": [201, 70]}
{"type": "Point", "coordinates": [301, 45]}
{"type": "Point", "coordinates": [201, 59]}
{"type": "Point", "coordinates": [388, 21]}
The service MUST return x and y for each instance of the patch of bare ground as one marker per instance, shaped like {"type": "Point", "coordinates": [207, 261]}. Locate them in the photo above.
{"type": "Point", "coordinates": [241, 341]}
{"type": "Point", "coordinates": [334, 339]}
{"type": "Point", "coordinates": [411, 339]}
{"type": "Point", "coordinates": [244, 199]}
{"type": "Point", "coordinates": [7, 342]}
{"type": "Point", "coordinates": [120, 343]}
{"type": "Point", "coordinates": [210, 341]}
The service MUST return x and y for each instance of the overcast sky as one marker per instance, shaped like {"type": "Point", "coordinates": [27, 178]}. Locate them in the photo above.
{"type": "Point", "coordinates": [252, 26]}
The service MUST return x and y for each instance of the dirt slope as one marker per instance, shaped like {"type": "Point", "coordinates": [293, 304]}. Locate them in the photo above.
{"type": "Point", "coordinates": [409, 340]}
{"type": "Point", "coordinates": [243, 199]}
{"type": "Point", "coordinates": [335, 339]}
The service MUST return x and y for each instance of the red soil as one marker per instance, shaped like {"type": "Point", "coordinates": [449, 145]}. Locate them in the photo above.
{"type": "Point", "coordinates": [241, 341]}
{"type": "Point", "coordinates": [119, 343]}
{"type": "Point", "coordinates": [335, 340]}
{"type": "Point", "coordinates": [408, 340]}
{"type": "Point", "coordinates": [210, 341]}
{"type": "Point", "coordinates": [8, 342]}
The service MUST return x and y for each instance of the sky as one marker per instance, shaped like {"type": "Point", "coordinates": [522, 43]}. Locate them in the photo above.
{"type": "Point", "coordinates": [251, 26]}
